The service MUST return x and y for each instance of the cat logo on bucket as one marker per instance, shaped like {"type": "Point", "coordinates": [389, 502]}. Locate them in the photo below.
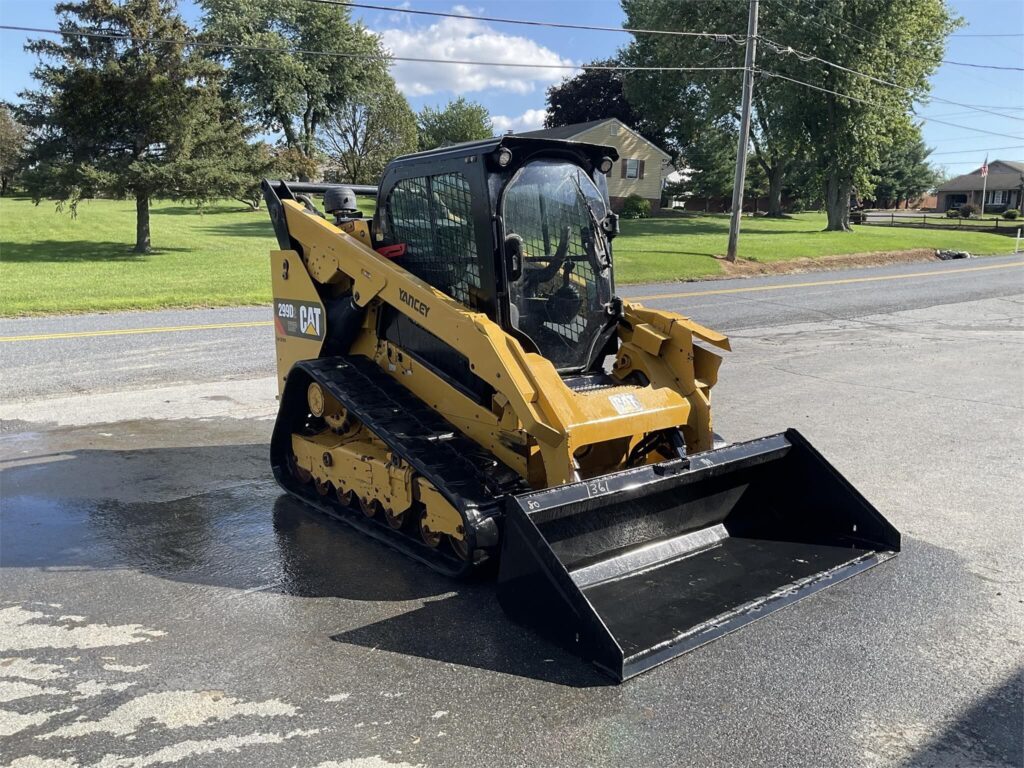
{"type": "Point", "coordinates": [298, 318]}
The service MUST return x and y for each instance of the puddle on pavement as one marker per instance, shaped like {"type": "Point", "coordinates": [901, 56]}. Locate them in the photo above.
{"type": "Point", "coordinates": [247, 537]}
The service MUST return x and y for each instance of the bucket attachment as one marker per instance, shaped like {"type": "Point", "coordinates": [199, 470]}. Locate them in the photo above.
{"type": "Point", "coordinates": [634, 568]}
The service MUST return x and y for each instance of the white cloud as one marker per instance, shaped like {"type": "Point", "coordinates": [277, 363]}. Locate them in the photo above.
{"type": "Point", "coordinates": [468, 40]}
{"type": "Point", "coordinates": [530, 120]}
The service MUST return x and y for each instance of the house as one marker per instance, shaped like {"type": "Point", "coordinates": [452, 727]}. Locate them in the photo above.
{"type": "Point", "coordinates": [642, 166]}
{"type": "Point", "coordinates": [1004, 188]}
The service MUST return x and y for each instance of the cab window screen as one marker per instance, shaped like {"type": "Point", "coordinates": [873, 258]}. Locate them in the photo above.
{"type": "Point", "coordinates": [433, 217]}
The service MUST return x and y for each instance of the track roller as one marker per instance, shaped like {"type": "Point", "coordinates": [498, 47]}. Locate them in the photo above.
{"type": "Point", "coordinates": [395, 519]}
{"type": "Point", "coordinates": [370, 507]}
{"type": "Point", "coordinates": [431, 538]}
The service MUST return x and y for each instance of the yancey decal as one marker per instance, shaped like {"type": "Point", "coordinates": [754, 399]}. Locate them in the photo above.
{"type": "Point", "coordinates": [413, 302]}
{"type": "Point", "coordinates": [302, 319]}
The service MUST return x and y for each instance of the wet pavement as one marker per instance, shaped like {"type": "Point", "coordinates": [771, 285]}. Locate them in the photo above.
{"type": "Point", "coordinates": [163, 604]}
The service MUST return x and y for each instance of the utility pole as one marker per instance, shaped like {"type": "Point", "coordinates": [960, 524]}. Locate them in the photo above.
{"type": "Point", "coordinates": [741, 153]}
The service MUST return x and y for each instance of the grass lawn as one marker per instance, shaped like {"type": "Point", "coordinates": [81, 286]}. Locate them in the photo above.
{"type": "Point", "coordinates": [50, 262]}
{"type": "Point", "coordinates": [683, 247]}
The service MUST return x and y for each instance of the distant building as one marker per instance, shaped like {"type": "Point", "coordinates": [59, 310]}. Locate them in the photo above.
{"type": "Point", "coordinates": [1004, 188]}
{"type": "Point", "coordinates": [642, 166]}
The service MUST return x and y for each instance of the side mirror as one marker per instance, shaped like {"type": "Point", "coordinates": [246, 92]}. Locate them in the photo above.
{"type": "Point", "coordinates": [513, 257]}
{"type": "Point", "coordinates": [610, 225]}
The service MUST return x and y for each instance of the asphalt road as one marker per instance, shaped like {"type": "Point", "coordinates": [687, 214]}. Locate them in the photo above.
{"type": "Point", "coordinates": [162, 603]}
{"type": "Point", "coordinates": [238, 343]}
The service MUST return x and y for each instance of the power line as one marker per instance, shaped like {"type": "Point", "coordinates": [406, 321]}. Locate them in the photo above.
{"type": "Point", "coordinates": [969, 128]}
{"type": "Point", "coordinates": [769, 73]}
{"type": "Point", "coordinates": [784, 50]}
{"type": "Point", "coordinates": [982, 149]}
{"type": "Point", "coordinates": [738, 39]}
{"type": "Point", "coordinates": [969, 112]}
{"type": "Point", "coordinates": [218, 45]}
{"type": "Point", "coordinates": [862, 41]}
{"type": "Point", "coordinates": [980, 66]}
{"type": "Point", "coordinates": [954, 34]}
{"type": "Point", "coordinates": [974, 34]}
{"type": "Point", "coordinates": [776, 75]}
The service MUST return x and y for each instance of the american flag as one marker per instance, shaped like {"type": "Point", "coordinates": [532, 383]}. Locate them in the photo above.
{"type": "Point", "coordinates": [984, 168]}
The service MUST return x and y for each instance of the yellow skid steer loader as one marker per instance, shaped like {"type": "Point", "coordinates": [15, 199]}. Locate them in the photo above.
{"type": "Point", "coordinates": [459, 380]}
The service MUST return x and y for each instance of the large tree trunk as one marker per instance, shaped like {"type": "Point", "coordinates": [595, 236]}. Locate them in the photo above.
{"type": "Point", "coordinates": [775, 179]}
{"type": "Point", "coordinates": [837, 203]}
{"type": "Point", "coordinates": [142, 244]}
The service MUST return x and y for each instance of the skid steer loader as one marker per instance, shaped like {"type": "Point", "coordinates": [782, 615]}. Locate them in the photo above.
{"type": "Point", "coordinates": [459, 380]}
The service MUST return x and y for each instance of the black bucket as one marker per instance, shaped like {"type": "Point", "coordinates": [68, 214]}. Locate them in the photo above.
{"type": "Point", "coordinates": [634, 568]}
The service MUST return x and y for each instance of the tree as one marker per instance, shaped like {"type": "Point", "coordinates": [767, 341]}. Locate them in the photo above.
{"type": "Point", "coordinates": [263, 161]}
{"type": "Point", "coordinates": [458, 121]}
{"type": "Point", "coordinates": [367, 132]}
{"type": "Point", "coordinates": [296, 87]}
{"type": "Point", "coordinates": [900, 43]}
{"type": "Point", "coordinates": [13, 143]}
{"type": "Point", "coordinates": [129, 117]}
{"type": "Point", "coordinates": [709, 161]}
{"type": "Point", "coordinates": [687, 106]}
{"type": "Point", "coordinates": [905, 173]}
{"type": "Point", "coordinates": [595, 94]}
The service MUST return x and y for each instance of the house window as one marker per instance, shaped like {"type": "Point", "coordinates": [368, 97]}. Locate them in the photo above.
{"type": "Point", "coordinates": [632, 169]}
{"type": "Point", "coordinates": [998, 197]}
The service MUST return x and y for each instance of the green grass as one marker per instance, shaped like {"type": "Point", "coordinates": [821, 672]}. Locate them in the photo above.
{"type": "Point", "coordinates": [685, 247]}
{"type": "Point", "coordinates": [50, 262]}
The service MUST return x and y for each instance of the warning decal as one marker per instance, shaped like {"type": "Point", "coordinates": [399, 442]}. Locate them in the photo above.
{"type": "Point", "coordinates": [625, 404]}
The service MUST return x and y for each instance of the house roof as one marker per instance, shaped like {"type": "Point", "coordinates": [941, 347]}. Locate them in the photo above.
{"type": "Point", "coordinates": [1002, 174]}
{"type": "Point", "coordinates": [565, 131]}
{"type": "Point", "coordinates": [575, 129]}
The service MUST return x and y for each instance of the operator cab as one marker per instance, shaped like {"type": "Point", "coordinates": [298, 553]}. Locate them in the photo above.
{"type": "Point", "coordinates": [515, 227]}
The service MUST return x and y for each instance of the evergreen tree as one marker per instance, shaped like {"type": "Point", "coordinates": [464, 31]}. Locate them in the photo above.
{"type": "Point", "coordinates": [136, 113]}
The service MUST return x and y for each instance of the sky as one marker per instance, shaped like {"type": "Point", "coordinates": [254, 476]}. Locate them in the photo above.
{"type": "Point", "coordinates": [515, 97]}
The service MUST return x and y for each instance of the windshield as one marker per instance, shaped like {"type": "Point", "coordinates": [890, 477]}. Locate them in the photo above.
{"type": "Point", "coordinates": [553, 211]}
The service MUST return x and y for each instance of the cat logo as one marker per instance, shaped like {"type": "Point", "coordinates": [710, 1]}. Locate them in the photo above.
{"type": "Point", "coordinates": [309, 320]}
{"type": "Point", "coordinates": [301, 319]}
{"type": "Point", "coordinates": [625, 404]}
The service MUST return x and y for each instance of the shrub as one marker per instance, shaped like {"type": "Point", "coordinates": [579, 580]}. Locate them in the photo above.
{"type": "Point", "coordinates": [967, 210]}
{"type": "Point", "coordinates": [1011, 213]}
{"type": "Point", "coordinates": [636, 207]}
{"type": "Point", "coordinates": [953, 213]}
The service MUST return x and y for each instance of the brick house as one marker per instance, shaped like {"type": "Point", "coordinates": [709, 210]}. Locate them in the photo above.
{"type": "Point", "coordinates": [1003, 190]}
{"type": "Point", "coordinates": [642, 166]}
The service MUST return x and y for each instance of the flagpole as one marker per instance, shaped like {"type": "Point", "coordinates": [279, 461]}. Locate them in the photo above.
{"type": "Point", "coordinates": [984, 185]}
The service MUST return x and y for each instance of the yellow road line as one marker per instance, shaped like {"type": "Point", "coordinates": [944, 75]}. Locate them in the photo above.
{"type": "Point", "coordinates": [134, 331]}
{"type": "Point", "coordinates": [811, 284]}
{"type": "Point", "coordinates": [690, 294]}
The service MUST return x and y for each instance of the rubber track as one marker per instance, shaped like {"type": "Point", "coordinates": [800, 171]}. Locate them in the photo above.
{"type": "Point", "coordinates": [469, 477]}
